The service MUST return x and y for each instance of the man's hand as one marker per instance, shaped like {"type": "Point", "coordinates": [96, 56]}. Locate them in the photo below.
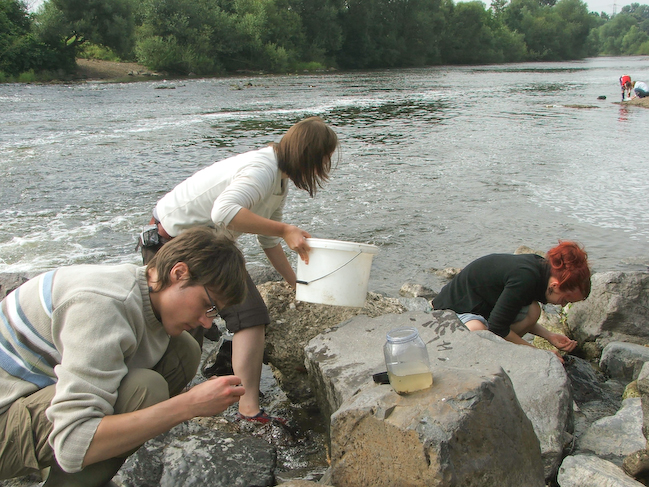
{"type": "Point", "coordinates": [214, 395]}
{"type": "Point", "coordinates": [120, 433]}
{"type": "Point", "coordinates": [295, 238]}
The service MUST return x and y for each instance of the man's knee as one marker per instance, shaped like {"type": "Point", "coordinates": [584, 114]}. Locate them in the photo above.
{"type": "Point", "coordinates": [180, 362]}
{"type": "Point", "coordinates": [140, 389]}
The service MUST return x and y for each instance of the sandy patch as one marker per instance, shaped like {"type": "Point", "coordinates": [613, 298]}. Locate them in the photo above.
{"type": "Point", "coordinates": [93, 69]}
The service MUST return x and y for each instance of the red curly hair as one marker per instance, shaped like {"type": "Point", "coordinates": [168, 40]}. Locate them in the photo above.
{"type": "Point", "coordinates": [569, 265]}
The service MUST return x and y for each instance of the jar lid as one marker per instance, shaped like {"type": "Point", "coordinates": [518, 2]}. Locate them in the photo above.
{"type": "Point", "coordinates": [401, 335]}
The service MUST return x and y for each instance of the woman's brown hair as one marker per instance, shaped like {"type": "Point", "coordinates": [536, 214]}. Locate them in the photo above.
{"type": "Point", "coordinates": [304, 153]}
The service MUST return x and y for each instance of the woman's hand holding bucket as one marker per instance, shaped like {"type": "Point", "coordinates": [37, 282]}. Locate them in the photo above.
{"type": "Point", "coordinates": [295, 238]}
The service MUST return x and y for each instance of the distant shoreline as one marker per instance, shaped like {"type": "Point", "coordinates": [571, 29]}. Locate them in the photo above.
{"type": "Point", "coordinates": [97, 70]}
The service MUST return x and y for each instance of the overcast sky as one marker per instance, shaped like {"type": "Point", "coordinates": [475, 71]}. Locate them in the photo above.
{"type": "Point", "coordinates": [608, 6]}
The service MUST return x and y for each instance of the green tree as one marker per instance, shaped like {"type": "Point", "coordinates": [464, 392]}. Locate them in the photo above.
{"type": "Point", "coordinates": [612, 33]}
{"type": "Point", "coordinates": [322, 33]}
{"type": "Point", "coordinates": [551, 33]}
{"type": "Point", "coordinates": [391, 33]}
{"type": "Point", "coordinates": [637, 11]}
{"type": "Point", "coordinates": [184, 36]}
{"type": "Point", "coordinates": [470, 39]}
{"type": "Point", "coordinates": [211, 36]}
{"type": "Point", "coordinates": [575, 24]}
{"type": "Point", "coordinates": [110, 23]}
{"type": "Point", "coordinates": [634, 41]}
{"type": "Point", "coordinates": [22, 50]}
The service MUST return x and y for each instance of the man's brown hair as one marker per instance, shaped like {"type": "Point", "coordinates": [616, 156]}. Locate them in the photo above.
{"type": "Point", "coordinates": [213, 260]}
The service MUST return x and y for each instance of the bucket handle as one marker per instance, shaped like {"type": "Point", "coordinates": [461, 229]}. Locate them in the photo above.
{"type": "Point", "coordinates": [306, 283]}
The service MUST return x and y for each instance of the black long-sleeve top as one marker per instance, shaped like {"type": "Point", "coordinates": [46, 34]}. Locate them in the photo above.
{"type": "Point", "coordinates": [496, 287]}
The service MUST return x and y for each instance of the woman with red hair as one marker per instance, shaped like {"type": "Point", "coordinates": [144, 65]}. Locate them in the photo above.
{"type": "Point", "coordinates": [501, 292]}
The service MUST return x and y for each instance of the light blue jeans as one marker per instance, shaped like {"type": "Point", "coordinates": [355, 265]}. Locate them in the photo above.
{"type": "Point", "coordinates": [466, 317]}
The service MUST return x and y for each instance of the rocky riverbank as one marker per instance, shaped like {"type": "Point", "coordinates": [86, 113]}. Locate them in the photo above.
{"type": "Point", "coordinates": [497, 414]}
{"type": "Point", "coordinates": [641, 102]}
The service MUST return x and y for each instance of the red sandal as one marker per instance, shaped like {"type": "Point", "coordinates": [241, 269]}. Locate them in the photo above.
{"type": "Point", "coordinates": [261, 417]}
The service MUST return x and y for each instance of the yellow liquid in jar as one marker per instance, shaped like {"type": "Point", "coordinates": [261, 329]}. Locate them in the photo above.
{"type": "Point", "coordinates": [410, 377]}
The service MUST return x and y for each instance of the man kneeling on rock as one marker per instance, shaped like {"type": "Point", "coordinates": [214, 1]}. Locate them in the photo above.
{"type": "Point", "coordinates": [501, 292]}
{"type": "Point", "coordinates": [93, 359]}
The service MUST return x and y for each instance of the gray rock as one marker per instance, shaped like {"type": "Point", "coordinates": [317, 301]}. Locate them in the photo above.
{"type": "Point", "coordinates": [586, 384]}
{"type": "Point", "coordinates": [637, 465]}
{"type": "Point", "coordinates": [443, 436]}
{"type": "Point", "coordinates": [623, 361]}
{"type": "Point", "coordinates": [10, 281]}
{"type": "Point", "coordinates": [590, 471]}
{"type": "Point", "coordinates": [594, 397]}
{"type": "Point", "coordinates": [416, 304]}
{"type": "Point", "coordinates": [341, 362]}
{"type": "Point", "coordinates": [191, 455]}
{"type": "Point", "coordinates": [643, 379]}
{"type": "Point", "coordinates": [409, 290]}
{"type": "Point", "coordinates": [263, 274]}
{"type": "Point", "coordinates": [645, 415]}
{"type": "Point", "coordinates": [448, 273]}
{"type": "Point", "coordinates": [33, 480]}
{"type": "Point", "coordinates": [524, 249]}
{"type": "Point", "coordinates": [616, 310]}
{"type": "Point", "coordinates": [302, 483]}
{"type": "Point", "coordinates": [614, 437]}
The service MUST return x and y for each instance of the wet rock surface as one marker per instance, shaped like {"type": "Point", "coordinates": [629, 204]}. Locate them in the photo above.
{"type": "Point", "coordinates": [195, 455]}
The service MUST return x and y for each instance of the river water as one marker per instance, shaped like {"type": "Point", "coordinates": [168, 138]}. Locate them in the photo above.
{"type": "Point", "coordinates": [438, 166]}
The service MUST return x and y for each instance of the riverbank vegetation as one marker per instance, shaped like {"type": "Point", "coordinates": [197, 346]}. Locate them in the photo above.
{"type": "Point", "coordinates": [206, 37]}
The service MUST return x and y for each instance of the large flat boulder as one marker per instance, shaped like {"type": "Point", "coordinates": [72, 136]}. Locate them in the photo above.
{"type": "Point", "coordinates": [341, 363]}
{"type": "Point", "coordinates": [447, 435]}
{"type": "Point", "coordinates": [591, 471]}
{"type": "Point", "coordinates": [616, 310]}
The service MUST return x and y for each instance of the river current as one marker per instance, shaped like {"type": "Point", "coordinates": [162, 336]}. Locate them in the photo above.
{"type": "Point", "coordinates": [438, 166]}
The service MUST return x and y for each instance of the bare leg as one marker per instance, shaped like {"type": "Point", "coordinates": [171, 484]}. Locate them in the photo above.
{"type": "Point", "coordinates": [475, 325]}
{"type": "Point", "coordinates": [526, 324]}
{"type": "Point", "coordinates": [247, 358]}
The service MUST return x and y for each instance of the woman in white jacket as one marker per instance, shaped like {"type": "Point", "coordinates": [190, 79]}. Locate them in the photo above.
{"type": "Point", "coordinates": [247, 194]}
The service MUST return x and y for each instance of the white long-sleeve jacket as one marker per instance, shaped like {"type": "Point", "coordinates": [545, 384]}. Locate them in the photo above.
{"type": "Point", "coordinates": [214, 195]}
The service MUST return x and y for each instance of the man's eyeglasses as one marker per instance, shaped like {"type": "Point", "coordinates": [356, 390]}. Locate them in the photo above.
{"type": "Point", "coordinates": [213, 312]}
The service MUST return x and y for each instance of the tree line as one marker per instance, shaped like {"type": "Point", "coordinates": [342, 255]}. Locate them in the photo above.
{"type": "Point", "coordinates": [206, 37]}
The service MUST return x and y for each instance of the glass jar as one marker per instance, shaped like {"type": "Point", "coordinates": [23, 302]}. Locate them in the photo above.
{"type": "Point", "coordinates": [407, 361]}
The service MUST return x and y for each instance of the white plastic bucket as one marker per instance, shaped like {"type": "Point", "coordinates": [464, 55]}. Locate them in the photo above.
{"type": "Point", "coordinates": [337, 273]}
